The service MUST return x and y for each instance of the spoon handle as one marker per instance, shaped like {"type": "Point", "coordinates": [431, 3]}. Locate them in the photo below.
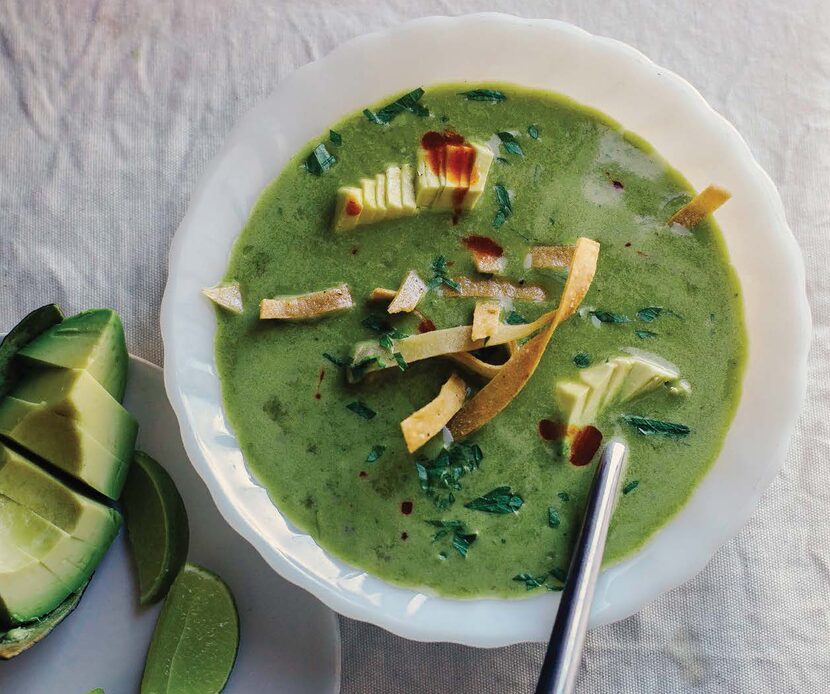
{"type": "Point", "coordinates": [568, 636]}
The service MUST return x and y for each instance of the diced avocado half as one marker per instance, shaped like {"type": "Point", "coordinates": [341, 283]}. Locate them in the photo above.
{"type": "Point", "coordinates": [91, 340]}
{"type": "Point", "coordinates": [53, 539]}
{"type": "Point", "coordinates": [23, 333]}
{"type": "Point", "coordinates": [67, 418]}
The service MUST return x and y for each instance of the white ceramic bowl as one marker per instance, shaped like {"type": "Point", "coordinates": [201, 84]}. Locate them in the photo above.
{"type": "Point", "coordinates": [599, 72]}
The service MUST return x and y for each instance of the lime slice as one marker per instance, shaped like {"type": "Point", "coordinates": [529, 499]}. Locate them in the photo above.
{"type": "Point", "coordinates": [196, 638]}
{"type": "Point", "coordinates": [156, 526]}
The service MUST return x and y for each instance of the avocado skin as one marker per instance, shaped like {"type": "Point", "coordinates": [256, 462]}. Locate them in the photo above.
{"type": "Point", "coordinates": [33, 325]}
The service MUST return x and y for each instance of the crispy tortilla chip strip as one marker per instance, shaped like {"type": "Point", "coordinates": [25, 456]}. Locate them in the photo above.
{"type": "Point", "coordinates": [703, 204]}
{"type": "Point", "coordinates": [549, 257]}
{"type": "Point", "coordinates": [381, 294]}
{"type": "Point", "coordinates": [510, 380]}
{"type": "Point", "coordinates": [495, 289]}
{"type": "Point", "coordinates": [410, 293]}
{"type": "Point", "coordinates": [421, 426]}
{"type": "Point", "coordinates": [304, 306]}
{"type": "Point", "coordinates": [485, 319]}
{"type": "Point", "coordinates": [476, 365]}
{"type": "Point", "coordinates": [228, 297]}
{"type": "Point", "coordinates": [489, 264]}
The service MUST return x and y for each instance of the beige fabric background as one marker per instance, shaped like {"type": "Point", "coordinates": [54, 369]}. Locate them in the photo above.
{"type": "Point", "coordinates": [109, 111]}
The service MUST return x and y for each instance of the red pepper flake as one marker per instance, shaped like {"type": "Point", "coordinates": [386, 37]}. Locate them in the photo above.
{"type": "Point", "coordinates": [426, 326]}
{"type": "Point", "coordinates": [317, 394]}
{"type": "Point", "coordinates": [483, 245]}
{"type": "Point", "coordinates": [353, 208]}
{"type": "Point", "coordinates": [618, 185]}
{"type": "Point", "coordinates": [404, 536]}
{"type": "Point", "coordinates": [585, 445]}
{"type": "Point", "coordinates": [406, 507]}
{"type": "Point", "coordinates": [550, 430]}
{"type": "Point", "coordinates": [363, 474]}
{"type": "Point", "coordinates": [628, 244]}
{"type": "Point", "coordinates": [354, 250]}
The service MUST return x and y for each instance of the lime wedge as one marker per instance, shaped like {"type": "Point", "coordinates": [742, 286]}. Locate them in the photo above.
{"type": "Point", "coordinates": [196, 638]}
{"type": "Point", "coordinates": [157, 527]}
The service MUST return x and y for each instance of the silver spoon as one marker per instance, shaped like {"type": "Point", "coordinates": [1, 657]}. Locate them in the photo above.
{"type": "Point", "coordinates": [568, 636]}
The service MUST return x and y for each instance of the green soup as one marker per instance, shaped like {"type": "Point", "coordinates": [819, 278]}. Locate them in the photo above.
{"type": "Point", "coordinates": [575, 173]}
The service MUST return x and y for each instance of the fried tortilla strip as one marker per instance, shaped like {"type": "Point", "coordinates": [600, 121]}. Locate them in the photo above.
{"type": "Point", "coordinates": [228, 297]}
{"type": "Point", "coordinates": [380, 294]}
{"type": "Point", "coordinates": [549, 257]}
{"type": "Point", "coordinates": [421, 426]}
{"type": "Point", "coordinates": [485, 319]}
{"type": "Point", "coordinates": [489, 264]}
{"type": "Point", "coordinates": [495, 289]}
{"type": "Point", "coordinates": [410, 293]}
{"type": "Point", "coordinates": [304, 306]}
{"type": "Point", "coordinates": [703, 204]}
{"type": "Point", "coordinates": [476, 365]}
{"type": "Point", "coordinates": [513, 376]}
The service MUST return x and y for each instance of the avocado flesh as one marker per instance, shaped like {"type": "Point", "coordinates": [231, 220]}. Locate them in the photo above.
{"type": "Point", "coordinates": [67, 418]}
{"type": "Point", "coordinates": [25, 331]}
{"type": "Point", "coordinates": [91, 340]}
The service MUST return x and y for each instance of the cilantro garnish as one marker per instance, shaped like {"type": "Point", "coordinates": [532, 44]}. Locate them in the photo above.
{"type": "Point", "coordinates": [505, 206]}
{"type": "Point", "coordinates": [338, 361]}
{"type": "Point", "coordinates": [553, 517]}
{"type": "Point", "coordinates": [609, 317]}
{"type": "Point", "coordinates": [559, 574]}
{"type": "Point", "coordinates": [320, 160]}
{"type": "Point", "coordinates": [582, 360]}
{"type": "Point", "coordinates": [483, 95]}
{"type": "Point", "coordinates": [440, 276]}
{"type": "Point", "coordinates": [361, 409]}
{"type": "Point", "coordinates": [499, 500]}
{"type": "Point", "coordinates": [645, 334]}
{"type": "Point", "coordinates": [335, 137]}
{"type": "Point", "coordinates": [649, 313]}
{"type": "Point", "coordinates": [515, 318]}
{"type": "Point", "coordinates": [376, 322]}
{"type": "Point", "coordinates": [631, 486]}
{"type": "Point", "coordinates": [358, 370]}
{"type": "Point", "coordinates": [445, 471]}
{"type": "Point", "coordinates": [400, 361]}
{"type": "Point", "coordinates": [510, 143]}
{"type": "Point", "coordinates": [408, 102]}
{"type": "Point", "coordinates": [533, 131]}
{"type": "Point", "coordinates": [530, 582]}
{"type": "Point", "coordinates": [564, 496]}
{"type": "Point", "coordinates": [461, 538]}
{"type": "Point", "coordinates": [656, 427]}
{"type": "Point", "coordinates": [375, 453]}
{"type": "Point", "coordinates": [502, 160]}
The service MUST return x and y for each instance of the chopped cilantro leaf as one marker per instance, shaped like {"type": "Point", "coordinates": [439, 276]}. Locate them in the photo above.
{"type": "Point", "coordinates": [609, 317]}
{"type": "Point", "coordinates": [499, 500]}
{"type": "Point", "coordinates": [400, 361]}
{"type": "Point", "coordinates": [499, 219]}
{"type": "Point", "coordinates": [510, 143]}
{"type": "Point", "coordinates": [385, 341]}
{"type": "Point", "coordinates": [564, 496]}
{"type": "Point", "coordinates": [361, 409]}
{"type": "Point", "coordinates": [461, 538]}
{"type": "Point", "coordinates": [649, 313]}
{"type": "Point", "coordinates": [631, 486]}
{"type": "Point", "coordinates": [554, 519]}
{"type": "Point", "coordinates": [338, 361]}
{"type": "Point", "coordinates": [582, 360]}
{"type": "Point", "coordinates": [408, 102]}
{"type": "Point", "coordinates": [505, 206]}
{"type": "Point", "coordinates": [645, 334]}
{"type": "Point", "coordinates": [358, 370]}
{"type": "Point", "coordinates": [444, 472]}
{"type": "Point", "coordinates": [533, 131]}
{"type": "Point", "coordinates": [379, 324]}
{"type": "Point", "coordinates": [559, 574]}
{"type": "Point", "coordinates": [335, 137]}
{"type": "Point", "coordinates": [461, 542]}
{"type": "Point", "coordinates": [483, 95]}
{"type": "Point", "coordinates": [502, 160]}
{"type": "Point", "coordinates": [515, 318]}
{"type": "Point", "coordinates": [530, 582]}
{"type": "Point", "coordinates": [375, 453]}
{"type": "Point", "coordinates": [656, 427]}
{"type": "Point", "coordinates": [440, 276]}
{"type": "Point", "coordinates": [320, 160]}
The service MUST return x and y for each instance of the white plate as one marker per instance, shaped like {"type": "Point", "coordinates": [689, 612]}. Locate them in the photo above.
{"type": "Point", "coordinates": [289, 641]}
{"type": "Point", "coordinates": [646, 99]}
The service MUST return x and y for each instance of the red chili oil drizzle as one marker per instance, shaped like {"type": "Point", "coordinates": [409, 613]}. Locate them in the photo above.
{"type": "Point", "coordinates": [550, 430]}
{"type": "Point", "coordinates": [317, 394]}
{"type": "Point", "coordinates": [353, 208]}
{"type": "Point", "coordinates": [426, 326]}
{"type": "Point", "coordinates": [406, 507]}
{"type": "Point", "coordinates": [483, 245]}
{"type": "Point", "coordinates": [363, 473]}
{"type": "Point", "coordinates": [448, 151]}
{"type": "Point", "coordinates": [585, 445]}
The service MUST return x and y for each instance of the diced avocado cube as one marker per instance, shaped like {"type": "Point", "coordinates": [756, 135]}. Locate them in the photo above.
{"type": "Point", "coordinates": [408, 190]}
{"type": "Point", "coordinates": [478, 175]}
{"type": "Point", "coordinates": [380, 197]}
{"type": "Point", "coordinates": [31, 486]}
{"type": "Point", "coordinates": [571, 397]}
{"type": "Point", "coordinates": [348, 208]}
{"type": "Point", "coordinates": [394, 206]}
{"type": "Point", "coordinates": [371, 213]}
{"type": "Point", "coordinates": [427, 181]}
{"type": "Point", "coordinates": [92, 340]}
{"type": "Point", "coordinates": [27, 588]}
{"type": "Point", "coordinates": [597, 378]}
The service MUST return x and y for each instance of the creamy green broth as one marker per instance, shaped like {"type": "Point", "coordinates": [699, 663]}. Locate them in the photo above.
{"type": "Point", "coordinates": [583, 176]}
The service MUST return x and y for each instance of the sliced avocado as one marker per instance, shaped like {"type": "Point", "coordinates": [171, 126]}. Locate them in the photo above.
{"type": "Point", "coordinates": [597, 378]}
{"type": "Point", "coordinates": [92, 340]}
{"type": "Point", "coordinates": [571, 397]}
{"type": "Point", "coordinates": [478, 175]}
{"type": "Point", "coordinates": [394, 204]}
{"type": "Point", "coordinates": [348, 208]}
{"type": "Point", "coordinates": [370, 207]}
{"type": "Point", "coordinates": [428, 184]}
{"type": "Point", "coordinates": [21, 638]}
{"type": "Point", "coordinates": [644, 375]}
{"type": "Point", "coordinates": [612, 390]}
{"type": "Point", "coordinates": [408, 190]}
{"type": "Point", "coordinates": [380, 198]}
{"type": "Point", "coordinates": [25, 331]}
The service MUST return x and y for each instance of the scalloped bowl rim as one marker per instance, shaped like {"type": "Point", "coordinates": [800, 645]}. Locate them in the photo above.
{"type": "Point", "coordinates": [602, 73]}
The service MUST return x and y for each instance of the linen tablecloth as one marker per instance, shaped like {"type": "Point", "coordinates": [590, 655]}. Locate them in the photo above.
{"type": "Point", "coordinates": [110, 109]}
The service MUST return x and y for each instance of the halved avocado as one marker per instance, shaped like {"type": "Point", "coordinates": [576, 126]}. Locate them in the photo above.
{"type": "Point", "coordinates": [25, 331]}
{"type": "Point", "coordinates": [67, 418]}
{"type": "Point", "coordinates": [92, 340]}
